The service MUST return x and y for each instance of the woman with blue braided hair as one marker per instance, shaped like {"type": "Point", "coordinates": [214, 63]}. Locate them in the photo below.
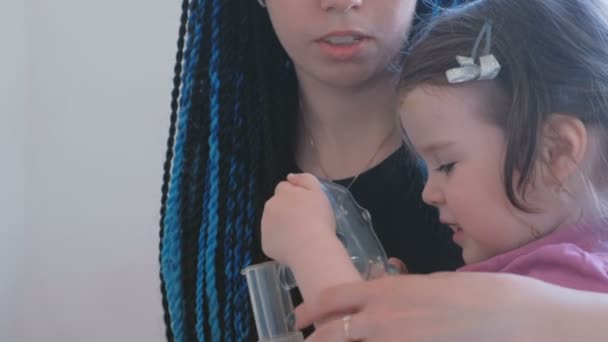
{"type": "Point", "coordinates": [303, 85]}
{"type": "Point", "coordinates": [266, 88]}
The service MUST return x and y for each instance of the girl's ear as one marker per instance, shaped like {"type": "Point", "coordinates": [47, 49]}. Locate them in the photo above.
{"type": "Point", "coordinates": [563, 145]}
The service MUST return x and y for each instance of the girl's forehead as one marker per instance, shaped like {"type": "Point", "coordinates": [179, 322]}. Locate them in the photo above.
{"type": "Point", "coordinates": [484, 99]}
{"type": "Point", "coordinates": [457, 112]}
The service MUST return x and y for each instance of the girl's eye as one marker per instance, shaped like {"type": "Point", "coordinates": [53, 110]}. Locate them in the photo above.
{"type": "Point", "coordinates": [446, 168]}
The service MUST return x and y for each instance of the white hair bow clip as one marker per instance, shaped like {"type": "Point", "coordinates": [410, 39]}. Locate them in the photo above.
{"type": "Point", "coordinates": [488, 67]}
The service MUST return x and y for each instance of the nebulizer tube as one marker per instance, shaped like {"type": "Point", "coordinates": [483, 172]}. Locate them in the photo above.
{"type": "Point", "coordinates": [271, 303]}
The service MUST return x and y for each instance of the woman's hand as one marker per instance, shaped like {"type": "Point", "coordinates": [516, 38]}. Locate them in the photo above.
{"type": "Point", "coordinates": [456, 307]}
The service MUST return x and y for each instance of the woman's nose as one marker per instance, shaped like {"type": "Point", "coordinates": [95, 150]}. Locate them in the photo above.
{"type": "Point", "coordinates": [340, 5]}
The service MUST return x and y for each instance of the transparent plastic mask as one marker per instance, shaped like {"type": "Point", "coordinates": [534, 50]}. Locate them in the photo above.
{"type": "Point", "coordinates": [269, 283]}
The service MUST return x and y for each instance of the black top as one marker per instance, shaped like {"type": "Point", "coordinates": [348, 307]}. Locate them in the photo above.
{"type": "Point", "coordinates": [407, 227]}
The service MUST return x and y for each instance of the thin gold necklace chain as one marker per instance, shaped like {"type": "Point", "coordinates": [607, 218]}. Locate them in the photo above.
{"type": "Point", "coordinates": [365, 168]}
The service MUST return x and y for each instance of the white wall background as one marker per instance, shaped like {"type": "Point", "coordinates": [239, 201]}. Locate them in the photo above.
{"type": "Point", "coordinates": [12, 110]}
{"type": "Point", "coordinates": [96, 100]}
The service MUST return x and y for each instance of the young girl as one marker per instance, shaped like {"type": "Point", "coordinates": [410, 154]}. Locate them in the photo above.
{"type": "Point", "coordinates": [506, 101]}
{"type": "Point", "coordinates": [516, 141]}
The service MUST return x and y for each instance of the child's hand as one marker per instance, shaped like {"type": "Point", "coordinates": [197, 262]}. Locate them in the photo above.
{"type": "Point", "coordinates": [296, 219]}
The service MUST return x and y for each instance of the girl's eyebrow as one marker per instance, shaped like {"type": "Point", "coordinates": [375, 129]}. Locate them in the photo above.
{"type": "Point", "coordinates": [430, 148]}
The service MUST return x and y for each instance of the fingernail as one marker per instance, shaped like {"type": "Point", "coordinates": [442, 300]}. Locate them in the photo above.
{"type": "Point", "coordinates": [392, 269]}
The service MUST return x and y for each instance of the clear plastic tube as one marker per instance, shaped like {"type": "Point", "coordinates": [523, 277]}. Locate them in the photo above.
{"type": "Point", "coordinates": [271, 303]}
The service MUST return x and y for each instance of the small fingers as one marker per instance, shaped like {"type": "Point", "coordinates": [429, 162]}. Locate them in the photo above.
{"type": "Point", "coordinates": [399, 265]}
{"type": "Point", "coordinates": [304, 180]}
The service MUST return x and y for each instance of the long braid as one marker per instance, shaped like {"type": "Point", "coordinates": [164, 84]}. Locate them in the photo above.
{"type": "Point", "coordinates": [200, 311]}
{"type": "Point", "coordinates": [206, 267]}
{"type": "Point", "coordinates": [169, 154]}
{"type": "Point", "coordinates": [190, 233]}
{"type": "Point", "coordinates": [242, 252]}
{"type": "Point", "coordinates": [229, 189]}
{"type": "Point", "coordinates": [196, 159]}
{"type": "Point", "coordinates": [231, 145]}
{"type": "Point", "coordinates": [238, 242]}
{"type": "Point", "coordinates": [248, 173]}
{"type": "Point", "coordinates": [171, 254]}
{"type": "Point", "coordinates": [262, 75]}
{"type": "Point", "coordinates": [228, 247]}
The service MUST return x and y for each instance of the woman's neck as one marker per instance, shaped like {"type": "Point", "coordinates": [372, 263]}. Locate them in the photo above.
{"type": "Point", "coordinates": [341, 129]}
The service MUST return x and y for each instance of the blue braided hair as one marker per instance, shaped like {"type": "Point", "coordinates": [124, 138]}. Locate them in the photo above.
{"type": "Point", "coordinates": [231, 139]}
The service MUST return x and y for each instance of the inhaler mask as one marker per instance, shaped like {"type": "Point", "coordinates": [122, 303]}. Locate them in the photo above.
{"type": "Point", "coordinates": [270, 283]}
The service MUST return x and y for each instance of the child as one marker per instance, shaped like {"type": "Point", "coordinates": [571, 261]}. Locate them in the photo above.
{"type": "Point", "coordinates": [506, 101]}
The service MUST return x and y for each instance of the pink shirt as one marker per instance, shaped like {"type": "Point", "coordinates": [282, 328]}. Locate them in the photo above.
{"type": "Point", "coordinates": [574, 257]}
